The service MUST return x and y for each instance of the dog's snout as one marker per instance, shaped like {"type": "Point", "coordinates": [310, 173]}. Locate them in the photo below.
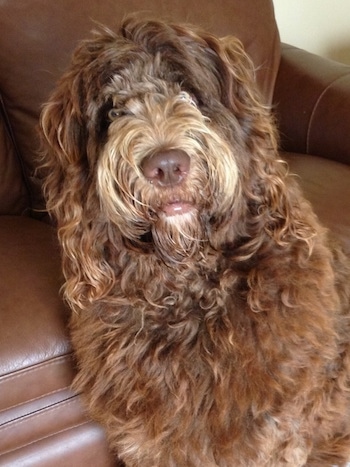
{"type": "Point", "coordinates": [167, 167]}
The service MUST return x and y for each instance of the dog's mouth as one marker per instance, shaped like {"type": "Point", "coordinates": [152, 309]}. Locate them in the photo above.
{"type": "Point", "coordinates": [175, 208]}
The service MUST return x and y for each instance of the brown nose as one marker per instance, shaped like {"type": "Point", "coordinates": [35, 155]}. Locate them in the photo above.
{"type": "Point", "coordinates": [166, 168]}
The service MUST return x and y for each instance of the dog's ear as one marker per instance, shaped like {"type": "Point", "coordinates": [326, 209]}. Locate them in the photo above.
{"type": "Point", "coordinates": [64, 119]}
{"type": "Point", "coordinates": [63, 145]}
{"type": "Point", "coordinates": [68, 184]}
{"type": "Point", "coordinates": [273, 201]}
{"type": "Point", "coordinates": [67, 123]}
{"type": "Point", "coordinates": [237, 75]}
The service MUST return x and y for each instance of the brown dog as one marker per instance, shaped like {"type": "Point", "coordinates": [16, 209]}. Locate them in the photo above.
{"type": "Point", "coordinates": [210, 314]}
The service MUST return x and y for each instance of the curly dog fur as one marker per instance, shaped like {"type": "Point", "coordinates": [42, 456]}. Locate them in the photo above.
{"type": "Point", "coordinates": [210, 312]}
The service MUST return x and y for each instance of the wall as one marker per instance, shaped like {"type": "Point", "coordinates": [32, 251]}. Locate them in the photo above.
{"type": "Point", "coordinates": [319, 26]}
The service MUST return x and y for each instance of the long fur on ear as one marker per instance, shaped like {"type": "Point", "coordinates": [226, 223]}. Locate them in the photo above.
{"type": "Point", "coordinates": [67, 181]}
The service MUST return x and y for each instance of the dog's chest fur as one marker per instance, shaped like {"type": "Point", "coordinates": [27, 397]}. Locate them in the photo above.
{"type": "Point", "coordinates": [169, 361]}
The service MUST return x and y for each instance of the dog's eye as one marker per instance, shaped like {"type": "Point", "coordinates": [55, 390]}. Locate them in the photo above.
{"type": "Point", "coordinates": [114, 113]}
{"type": "Point", "coordinates": [185, 96]}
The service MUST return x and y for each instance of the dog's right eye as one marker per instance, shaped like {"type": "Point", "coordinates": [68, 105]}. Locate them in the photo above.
{"type": "Point", "coordinates": [186, 97]}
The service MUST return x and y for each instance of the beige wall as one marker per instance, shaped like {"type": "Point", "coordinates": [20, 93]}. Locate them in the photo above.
{"type": "Point", "coordinates": [319, 26]}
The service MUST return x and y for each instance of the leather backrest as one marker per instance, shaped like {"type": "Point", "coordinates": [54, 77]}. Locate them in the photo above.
{"type": "Point", "coordinates": [38, 36]}
{"type": "Point", "coordinates": [14, 196]}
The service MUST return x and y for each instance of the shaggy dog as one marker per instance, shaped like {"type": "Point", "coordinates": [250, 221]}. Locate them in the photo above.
{"type": "Point", "coordinates": [210, 314]}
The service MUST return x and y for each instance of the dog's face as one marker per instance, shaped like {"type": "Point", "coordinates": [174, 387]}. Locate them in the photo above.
{"type": "Point", "coordinates": [164, 165]}
{"type": "Point", "coordinates": [156, 142]}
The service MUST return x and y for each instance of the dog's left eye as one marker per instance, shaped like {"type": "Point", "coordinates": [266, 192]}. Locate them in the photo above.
{"type": "Point", "coordinates": [114, 113]}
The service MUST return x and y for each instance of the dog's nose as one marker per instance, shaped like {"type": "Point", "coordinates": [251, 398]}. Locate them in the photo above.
{"type": "Point", "coordinates": [167, 167]}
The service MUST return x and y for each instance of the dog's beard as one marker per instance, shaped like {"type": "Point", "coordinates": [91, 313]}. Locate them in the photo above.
{"type": "Point", "coordinates": [178, 238]}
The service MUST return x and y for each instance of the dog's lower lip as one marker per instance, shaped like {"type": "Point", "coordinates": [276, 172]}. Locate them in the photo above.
{"type": "Point", "coordinates": [177, 207]}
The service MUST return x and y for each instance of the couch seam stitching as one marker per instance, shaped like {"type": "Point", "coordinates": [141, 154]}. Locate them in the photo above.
{"type": "Point", "coordinates": [38, 413]}
{"type": "Point", "coordinates": [45, 437]}
{"type": "Point", "coordinates": [28, 401]}
{"type": "Point", "coordinates": [33, 368]}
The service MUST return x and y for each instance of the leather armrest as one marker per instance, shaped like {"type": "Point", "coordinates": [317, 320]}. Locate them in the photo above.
{"type": "Point", "coordinates": [42, 421]}
{"type": "Point", "coordinates": [312, 103]}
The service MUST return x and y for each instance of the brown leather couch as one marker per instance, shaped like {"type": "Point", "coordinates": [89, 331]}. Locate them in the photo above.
{"type": "Point", "coordinates": [42, 422]}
